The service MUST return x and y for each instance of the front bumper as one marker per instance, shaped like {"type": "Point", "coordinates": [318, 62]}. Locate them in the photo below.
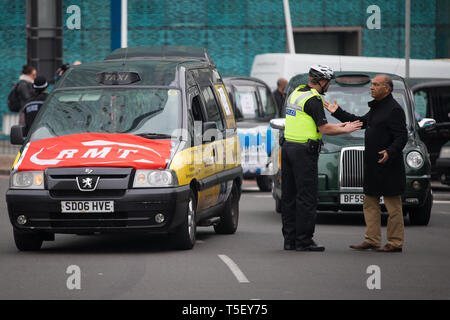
{"type": "Point", "coordinates": [331, 199]}
{"type": "Point", "coordinates": [134, 210]}
{"type": "Point", "coordinates": [443, 170]}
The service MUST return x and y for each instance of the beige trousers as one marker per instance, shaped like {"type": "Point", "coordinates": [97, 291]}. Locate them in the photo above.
{"type": "Point", "coordinates": [372, 216]}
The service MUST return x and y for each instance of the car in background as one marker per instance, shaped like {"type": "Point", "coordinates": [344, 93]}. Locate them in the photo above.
{"type": "Point", "coordinates": [341, 159]}
{"type": "Point", "coordinates": [131, 144]}
{"type": "Point", "coordinates": [254, 106]}
{"type": "Point", "coordinates": [443, 164]}
{"type": "Point", "coordinates": [432, 100]}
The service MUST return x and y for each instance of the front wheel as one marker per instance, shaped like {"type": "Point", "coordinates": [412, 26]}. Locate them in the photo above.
{"type": "Point", "coordinates": [264, 183]}
{"type": "Point", "coordinates": [230, 216]}
{"type": "Point", "coordinates": [421, 216]}
{"type": "Point", "coordinates": [28, 241]}
{"type": "Point", "coordinates": [185, 235]}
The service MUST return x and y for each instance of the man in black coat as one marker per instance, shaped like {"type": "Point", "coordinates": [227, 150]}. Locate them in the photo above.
{"type": "Point", "coordinates": [280, 95]}
{"type": "Point", "coordinates": [384, 171]}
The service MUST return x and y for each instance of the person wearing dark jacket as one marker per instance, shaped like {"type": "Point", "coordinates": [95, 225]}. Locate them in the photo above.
{"type": "Point", "coordinates": [25, 88]}
{"type": "Point", "coordinates": [384, 171]}
{"type": "Point", "coordinates": [280, 95]}
{"type": "Point", "coordinates": [33, 105]}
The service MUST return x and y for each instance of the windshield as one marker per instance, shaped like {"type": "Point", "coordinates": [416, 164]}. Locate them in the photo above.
{"type": "Point", "coordinates": [246, 103]}
{"type": "Point", "coordinates": [354, 100]}
{"type": "Point", "coordinates": [267, 102]}
{"type": "Point", "coordinates": [131, 111]}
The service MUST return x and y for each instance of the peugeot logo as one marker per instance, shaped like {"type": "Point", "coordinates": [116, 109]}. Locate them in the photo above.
{"type": "Point", "coordinates": [87, 183]}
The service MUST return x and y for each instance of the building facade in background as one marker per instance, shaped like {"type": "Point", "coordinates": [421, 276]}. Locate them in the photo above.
{"type": "Point", "coordinates": [233, 31]}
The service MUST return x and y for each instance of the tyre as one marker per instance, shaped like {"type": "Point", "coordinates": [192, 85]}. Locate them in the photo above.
{"type": "Point", "coordinates": [28, 241]}
{"type": "Point", "coordinates": [185, 235]}
{"type": "Point", "coordinates": [230, 216]}
{"type": "Point", "coordinates": [421, 216]}
{"type": "Point", "coordinates": [264, 183]}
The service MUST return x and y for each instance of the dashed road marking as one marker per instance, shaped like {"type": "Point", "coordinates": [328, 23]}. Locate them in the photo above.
{"type": "Point", "coordinates": [240, 276]}
{"type": "Point", "coordinates": [442, 201]}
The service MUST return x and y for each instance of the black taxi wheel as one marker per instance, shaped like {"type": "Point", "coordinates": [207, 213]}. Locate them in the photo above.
{"type": "Point", "coordinates": [28, 241]}
{"type": "Point", "coordinates": [264, 183]}
{"type": "Point", "coordinates": [421, 216]}
{"type": "Point", "coordinates": [185, 235]}
{"type": "Point", "coordinates": [229, 219]}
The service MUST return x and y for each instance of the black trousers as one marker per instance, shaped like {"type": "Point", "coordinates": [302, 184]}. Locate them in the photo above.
{"type": "Point", "coordinates": [299, 188]}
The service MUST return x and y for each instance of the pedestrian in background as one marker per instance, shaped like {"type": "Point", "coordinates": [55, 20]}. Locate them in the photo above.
{"type": "Point", "coordinates": [384, 171]}
{"type": "Point", "coordinates": [32, 107]}
{"type": "Point", "coordinates": [25, 88]}
{"type": "Point", "coordinates": [280, 95]}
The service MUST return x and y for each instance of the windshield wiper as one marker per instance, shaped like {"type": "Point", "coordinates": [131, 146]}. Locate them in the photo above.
{"type": "Point", "coordinates": [154, 135]}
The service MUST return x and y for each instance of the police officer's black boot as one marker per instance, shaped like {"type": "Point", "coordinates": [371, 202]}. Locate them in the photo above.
{"type": "Point", "coordinates": [312, 247]}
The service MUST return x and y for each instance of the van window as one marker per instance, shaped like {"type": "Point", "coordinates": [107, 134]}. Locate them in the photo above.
{"type": "Point", "coordinates": [421, 104]}
{"type": "Point", "coordinates": [212, 109]}
{"type": "Point", "coordinates": [131, 111]}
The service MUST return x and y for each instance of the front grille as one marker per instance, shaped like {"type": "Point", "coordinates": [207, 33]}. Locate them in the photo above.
{"type": "Point", "coordinates": [351, 171]}
{"type": "Point", "coordinates": [113, 182]}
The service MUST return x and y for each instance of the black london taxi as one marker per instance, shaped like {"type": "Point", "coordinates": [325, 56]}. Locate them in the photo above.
{"type": "Point", "coordinates": [341, 157]}
{"type": "Point", "coordinates": [144, 141]}
{"type": "Point", "coordinates": [254, 106]}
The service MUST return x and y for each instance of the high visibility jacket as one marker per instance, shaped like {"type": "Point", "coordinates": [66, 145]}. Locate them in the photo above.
{"type": "Point", "coordinates": [300, 126]}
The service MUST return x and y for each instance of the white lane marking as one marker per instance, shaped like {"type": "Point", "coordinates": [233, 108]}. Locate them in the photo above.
{"type": "Point", "coordinates": [263, 196]}
{"type": "Point", "coordinates": [240, 276]}
{"type": "Point", "coordinates": [199, 241]}
{"type": "Point", "coordinates": [244, 188]}
{"type": "Point", "coordinates": [442, 201]}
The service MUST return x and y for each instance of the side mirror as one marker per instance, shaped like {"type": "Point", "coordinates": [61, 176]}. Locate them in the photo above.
{"type": "Point", "coordinates": [17, 135]}
{"type": "Point", "coordinates": [427, 123]}
{"type": "Point", "coordinates": [278, 123]}
{"type": "Point", "coordinates": [209, 131]}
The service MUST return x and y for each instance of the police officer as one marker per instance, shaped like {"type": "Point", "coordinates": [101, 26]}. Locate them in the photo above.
{"type": "Point", "coordinates": [305, 124]}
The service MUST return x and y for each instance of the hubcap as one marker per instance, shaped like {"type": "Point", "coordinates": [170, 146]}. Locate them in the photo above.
{"type": "Point", "coordinates": [191, 220]}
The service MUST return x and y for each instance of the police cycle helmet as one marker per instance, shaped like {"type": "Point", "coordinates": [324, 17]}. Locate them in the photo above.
{"type": "Point", "coordinates": [320, 72]}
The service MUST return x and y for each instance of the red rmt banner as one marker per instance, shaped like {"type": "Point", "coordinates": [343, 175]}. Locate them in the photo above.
{"type": "Point", "coordinates": [95, 149]}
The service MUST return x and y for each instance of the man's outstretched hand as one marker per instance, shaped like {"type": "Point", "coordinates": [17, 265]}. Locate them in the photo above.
{"type": "Point", "coordinates": [332, 107]}
{"type": "Point", "coordinates": [351, 126]}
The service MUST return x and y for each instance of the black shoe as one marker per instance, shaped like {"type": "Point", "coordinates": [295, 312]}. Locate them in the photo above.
{"type": "Point", "coordinates": [312, 247]}
{"type": "Point", "coordinates": [288, 246]}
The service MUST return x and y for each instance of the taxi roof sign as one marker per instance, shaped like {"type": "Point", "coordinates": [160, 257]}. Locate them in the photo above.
{"type": "Point", "coordinates": [117, 77]}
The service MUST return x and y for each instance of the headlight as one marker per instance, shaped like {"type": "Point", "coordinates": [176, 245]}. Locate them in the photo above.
{"type": "Point", "coordinates": [445, 152]}
{"type": "Point", "coordinates": [154, 179]}
{"type": "Point", "coordinates": [414, 159]}
{"type": "Point", "coordinates": [27, 180]}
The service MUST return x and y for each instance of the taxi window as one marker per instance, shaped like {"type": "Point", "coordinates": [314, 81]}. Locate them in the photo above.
{"type": "Point", "coordinates": [421, 104]}
{"type": "Point", "coordinates": [212, 109]}
{"type": "Point", "coordinates": [267, 102]}
{"type": "Point", "coordinates": [355, 99]}
{"type": "Point", "coordinates": [246, 103]}
{"type": "Point", "coordinates": [132, 111]}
